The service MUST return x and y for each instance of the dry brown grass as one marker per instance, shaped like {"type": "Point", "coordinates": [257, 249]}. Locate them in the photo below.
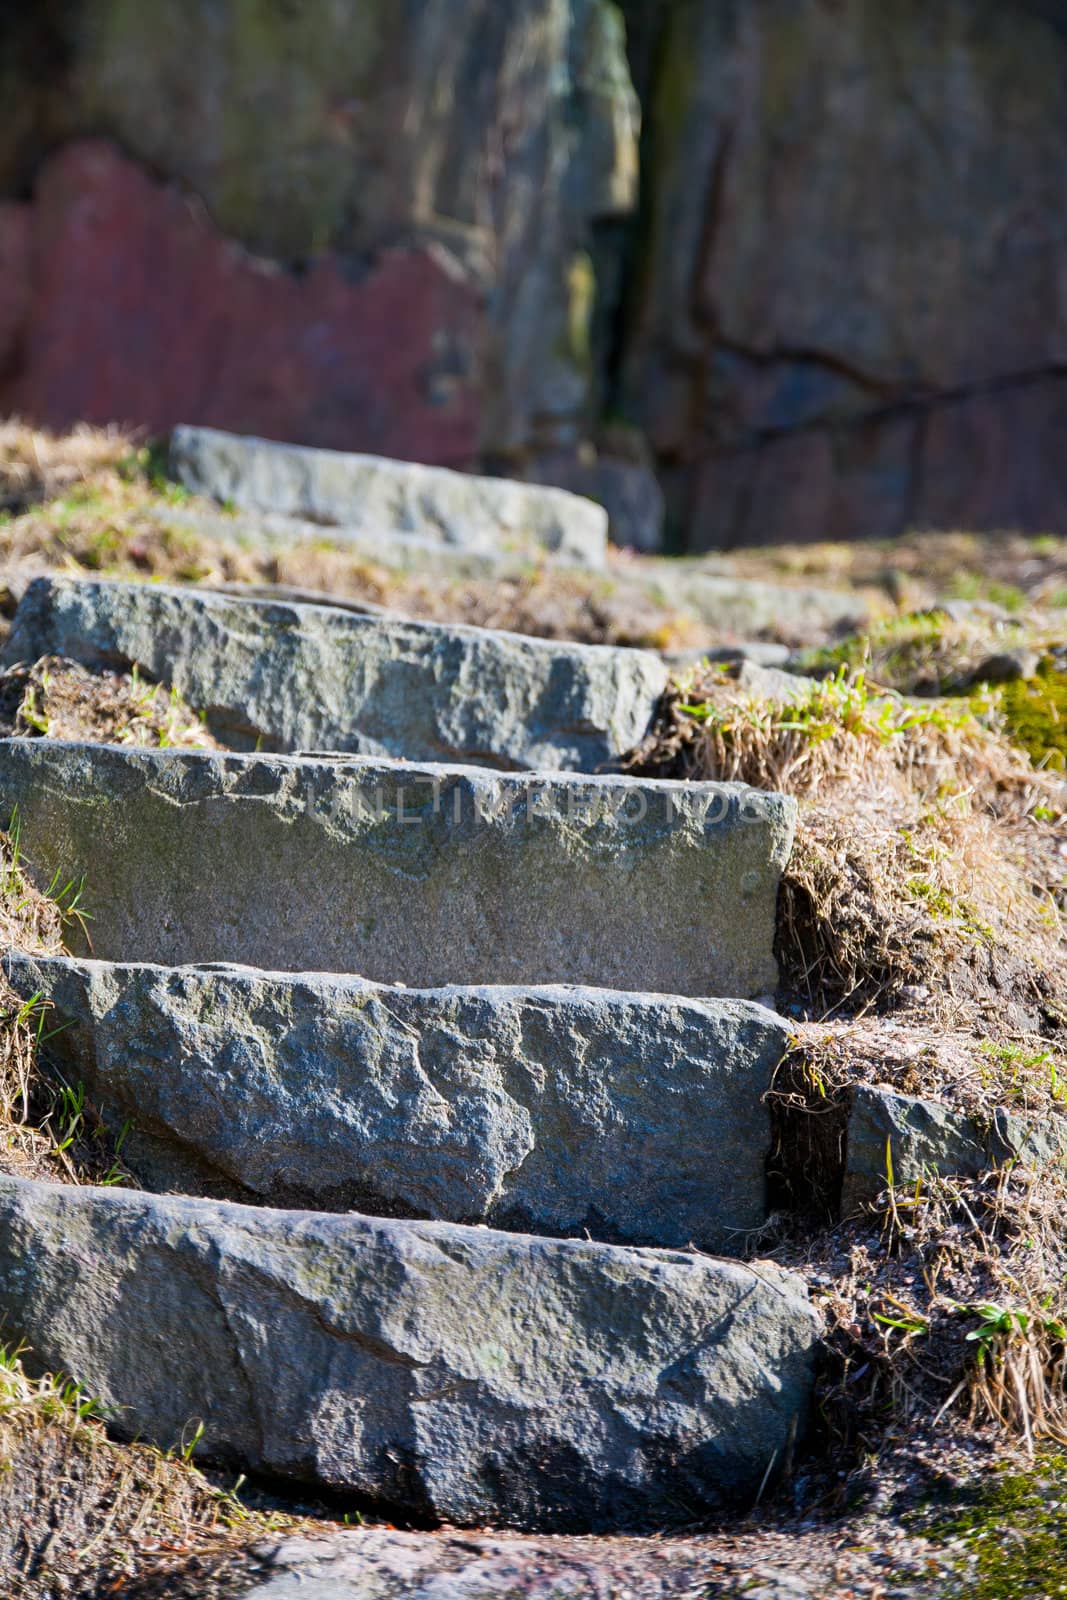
{"type": "Point", "coordinates": [947, 1300]}
{"type": "Point", "coordinates": [913, 1056]}
{"type": "Point", "coordinates": [59, 699]}
{"type": "Point", "coordinates": [918, 923]}
{"type": "Point", "coordinates": [37, 465]}
{"type": "Point", "coordinates": [47, 1129]}
{"type": "Point", "coordinates": [940, 915]}
{"type": "Point", "coordinates": [927, 863]}
{"type": "Point", "coordinates": [1008, 569]}
{"type": "Point", "coordinates": [82, 1516]}
{"type": "Point", "coordinates": [29, 921]}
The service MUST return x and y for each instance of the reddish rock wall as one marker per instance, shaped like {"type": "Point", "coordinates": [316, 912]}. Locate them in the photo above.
{"type": "Point", "coordinates": [120, 302]}
{"type": "Point", "coordinates": [841, 312]}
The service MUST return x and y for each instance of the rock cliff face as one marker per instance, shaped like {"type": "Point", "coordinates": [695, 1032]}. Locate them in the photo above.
{"type": "Point", "coordinates": [835, 304]}
{"type": "Point", "coordinates": [120, 302]}
{"type": "Point", "coordinates": [850, 309]}
{"type": "Point", "coordinates": [400, 160]}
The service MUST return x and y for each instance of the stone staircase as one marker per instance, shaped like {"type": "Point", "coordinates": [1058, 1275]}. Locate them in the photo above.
{"type": "Point", "coordinates": [449, 1061]}
{"type": "Point", "coordinates": [425, 520]}
{"type": "Point", "coordinates": [285, 677]}
{"type": "Point", "coordinates": [371, 494]}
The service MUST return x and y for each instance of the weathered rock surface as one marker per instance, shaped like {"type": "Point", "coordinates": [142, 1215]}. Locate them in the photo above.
{"type": "Point", "coordinates": [383, 1563]}
{"type": "Point", "coordinates": [728, 607]}
{"type": "Point", "coordinates": [637, 1118]}
{"type": "Point", "coordinates": [460, 1373]}
{"type": "Point", "coordinates": [822, 354]}
{"type": "Point", "coordinates": [308, 677]}
{"type": "Point", "coordinates": [921, 1136]}
{"type": "Point", "coordinates": [908, 1136]}
{"type": "Point", "coordinates": [440, 193]}
{"type": "Point", "coordinates": [627, 490]}
{"type": "Point", "coordinates": [493, 138]}
{"type": "Point", "coordinates": [123, 302]}
{"type": "Point", "coordinates": [379, 496]}
{"type": "Point", "coordinates": [745, 608]}
{"type": "Point", "coordinates": [1034, 1141]}
{"type": "Point", "coordinates": [424, 875]}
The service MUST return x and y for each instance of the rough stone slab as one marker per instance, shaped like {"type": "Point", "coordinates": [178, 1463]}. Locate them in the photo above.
{"type": "Point", "coordinates": [308, 677]}
{"type": "Point", "coordinates": [423, 875]}
{"type": "Point", "coordinates": [757, 651]}
{"type": "Point", "coordinates": [405, 553]}
{"type": "Point", "coordinates": [727, 607]}
{"type": "Point", "coordinates": [1033, 1141]}
{"type": "Point", "coordinates": [383, 496]}
{"type": "Point", "coordinates": [633, 1117]}
{"type": "Point", "coordinates": [383, 1563]}
{"type": "Point", "coordinates": [927, 1136]}
{"type": "Point", "coordinates": [458, 1372]}
{"type": "Point", "coordinates": [745, 606]}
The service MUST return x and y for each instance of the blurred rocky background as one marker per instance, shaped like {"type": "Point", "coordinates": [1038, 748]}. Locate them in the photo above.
{"type": "Point", "coordinates": [744, 270]}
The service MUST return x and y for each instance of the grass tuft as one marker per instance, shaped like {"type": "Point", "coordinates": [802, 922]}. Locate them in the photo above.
{"type": "Point", "coordinates": [927, 867]}
{"type": "Point", "coordinates": [48, 1129]}
{"type": "Point", "coordinates": [81, 1515]}
{"type": "Point", "coordinates": [56, 698]}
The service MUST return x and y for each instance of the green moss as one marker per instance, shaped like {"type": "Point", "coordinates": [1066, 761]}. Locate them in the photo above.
{"type": "Point", "coordinates": [1035, 715]}
{"type": "Point", "coordinates": [1017, 1073]}
{"type": "Point", "coordinates": [928, 654]}
{"type": "Point", "coordinates": [581, 302]}
{"type": "Point", "coordinates": [1014, 1535]}
{"type": "Point", "coordinates": [102, 548]}
{"type": "Point", "coordinates": [974, 586]}
{"type": "Point", "coordinates": [937, 901]}
{"type": "Point", "coordinates": [898, 651]}
{"type": "Point", "coordinates": [844, 705]}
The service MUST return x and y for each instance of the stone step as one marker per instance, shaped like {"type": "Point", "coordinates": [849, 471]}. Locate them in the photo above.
{"type": "Point", "coordinates": [459, 1373]}
{"type": "Point", "coordinates": [637, 1118]}
{"type": "Point", "coordinates": [307, 677]}
{"type": "Point", "coordinates": [422, 875]}
{"type": "Point", "coordinates": [890, 1136]}
{"type": "Point", "coordinates": [380, 497]}
{"type": "Point", "coordinates": [729, 608]}
{"type": "Point", "coordinates": [746, 607]}
{"type": "Point", "coordinates": [407, 553]}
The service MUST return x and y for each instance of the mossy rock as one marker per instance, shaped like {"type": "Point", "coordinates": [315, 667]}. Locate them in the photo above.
{"type": "Point", "coordinates": [1035, 715]}
{"type": "Point", "coordinates": [1013, 1530]}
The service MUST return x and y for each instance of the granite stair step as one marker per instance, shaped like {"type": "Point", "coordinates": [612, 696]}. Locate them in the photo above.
{"type": "Point", "coordinates": [289, 677]}
{"type": "Point", "coordinates": [425, 875]}
{"type": "Point", "coordinates": [634, 1118]}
